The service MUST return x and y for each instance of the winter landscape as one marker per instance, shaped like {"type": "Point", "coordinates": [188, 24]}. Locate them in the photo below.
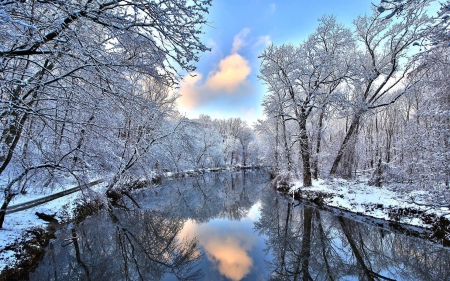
{"type": "Point", "coordinates": [311, 139]}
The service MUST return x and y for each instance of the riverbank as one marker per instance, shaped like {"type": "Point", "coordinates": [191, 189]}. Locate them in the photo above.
{"type": "Point", "coordinates": [23, 230]}
{"type": "Point", "coordinates": [391, 203]}
{"type": "Point", "coordinates": [24, 234]}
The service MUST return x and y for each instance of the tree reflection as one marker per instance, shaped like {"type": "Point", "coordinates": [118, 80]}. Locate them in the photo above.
{"type": "Point", "coordinates": [126, 246]}
{"type": "Point", "coordinates": [145, 244]}
{"type": "Point", "coordinates": [208, 196]}
{"type": "Point", "coordinates": [309, 244]}
{"type": "Point", "coordinates": [302, 242]}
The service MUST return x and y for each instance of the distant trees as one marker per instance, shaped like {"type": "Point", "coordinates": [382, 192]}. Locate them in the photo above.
{"type": "Point", "coordinates": [427, 132]}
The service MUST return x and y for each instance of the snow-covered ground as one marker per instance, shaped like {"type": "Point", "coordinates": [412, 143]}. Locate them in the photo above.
{"type": "Point", "coordinates": [377, 202]}
{"type": "Point", "coordinates": [17, 223]}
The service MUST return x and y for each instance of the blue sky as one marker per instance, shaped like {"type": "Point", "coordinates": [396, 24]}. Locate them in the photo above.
{"type": "Point", "coordinates": [225, 83]}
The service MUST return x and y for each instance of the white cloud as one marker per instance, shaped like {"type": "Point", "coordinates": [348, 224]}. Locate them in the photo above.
{"type": "Point", "coordinates": [239, 40]}
{"type": "Point", "coordinates": [264, 40]}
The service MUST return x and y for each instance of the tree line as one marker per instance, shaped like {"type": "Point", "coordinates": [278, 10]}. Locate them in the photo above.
{"type": "Point", "coordinates": [87, 91]}
{"type": "Point", "coordinates": [374, 96]}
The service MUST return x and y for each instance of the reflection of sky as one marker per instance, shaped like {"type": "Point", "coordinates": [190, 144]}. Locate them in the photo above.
{"type": "Point", "coordinates": [232, 250]}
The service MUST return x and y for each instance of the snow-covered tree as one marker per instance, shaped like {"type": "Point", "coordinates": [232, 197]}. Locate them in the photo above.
{"type": "Point", "coordinates": [301, 79]}
{"type": "Point", "coordinates": [73, 78]}
{"type": "Point", "coordinates": [383, 65]}
{"type": "Point", "coordinates": [438, 30]}
{"type": "Point", "coordinates": [427, 134]}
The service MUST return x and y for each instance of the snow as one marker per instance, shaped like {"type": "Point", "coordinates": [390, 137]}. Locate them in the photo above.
{"type": "Point", "coordinates": [357, 196]}
{"type": "Point", "coordinates": [17, 223]}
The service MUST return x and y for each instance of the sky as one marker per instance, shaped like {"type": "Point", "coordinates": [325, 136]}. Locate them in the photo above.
{"type": "Point", "coordinates": [225, 83]}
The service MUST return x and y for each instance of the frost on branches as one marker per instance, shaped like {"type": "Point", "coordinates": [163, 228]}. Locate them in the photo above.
{"type": "Point", "coordinates": [84, 86]}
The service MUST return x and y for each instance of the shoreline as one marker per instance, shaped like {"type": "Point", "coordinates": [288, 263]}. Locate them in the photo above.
{"type": "Point", "coordinates": [23, 230]}
{"type": "Point", "coordinates": [25, 236]}
{"type": "Point", "coordinates": [380, 205]}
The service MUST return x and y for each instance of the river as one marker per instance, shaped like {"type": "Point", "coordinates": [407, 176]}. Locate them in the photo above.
{"type": "Point", "coordinates": [233, 226]}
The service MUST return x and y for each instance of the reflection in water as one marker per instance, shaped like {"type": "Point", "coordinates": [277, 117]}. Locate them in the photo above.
{"type": "Point", "coordinates": [212, 228]}
{"type": "Point", "coordinates": [309, 244]}
{"type": "Point", "coordinates": [155, 243]}
{"type": "Point", "coordinates": [227, 244]}
{"type": "Point", "coordinates": [227, 250]}
{"type": "Point", "coordinates": [125, 245]}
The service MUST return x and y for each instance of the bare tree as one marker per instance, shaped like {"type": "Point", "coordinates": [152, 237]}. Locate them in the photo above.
{"type": "Point", "coordinates": [307, 75]}
{"type": "Point", "coordinates": [70, 70]}
{"type": "Point", "coordinates": [382, 67]}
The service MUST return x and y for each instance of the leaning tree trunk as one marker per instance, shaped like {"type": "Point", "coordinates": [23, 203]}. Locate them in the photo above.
{"type": "Point", "coordinates": [351, 131]}
{"type": "Point", "coordinates": [8, 197]}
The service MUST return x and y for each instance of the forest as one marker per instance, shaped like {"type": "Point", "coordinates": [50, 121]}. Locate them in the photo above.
{"type": "Point", "coordinates": [88, 91]}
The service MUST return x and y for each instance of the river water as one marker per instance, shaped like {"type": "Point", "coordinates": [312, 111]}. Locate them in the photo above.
{"type": "Point", "coordinates": [233, 226]}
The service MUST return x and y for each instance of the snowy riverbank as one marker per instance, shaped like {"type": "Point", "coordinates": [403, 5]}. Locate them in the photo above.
{"type": "Point", "coordinates": [17, 225]}
{"type": "Point", "coordinates": [417, 208]}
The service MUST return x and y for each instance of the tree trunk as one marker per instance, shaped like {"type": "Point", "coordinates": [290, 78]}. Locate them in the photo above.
{"type": "Point", "coordinates": [305, 252]}
{"type": "Point", "coordinates": [368, 272]}
{"type": "Point", "coordinates": [286, 146]}
{"type": "Point", "coordinates": [352, 130]}
{"type": "Point", "coordinates": [8, 197]}
{"type": "Point", "coordinates": [285, 239]}
{"type": "Point", "coordinates": [315, 163]}
{"type": "Point", "coordinates": [277, 168]}
{"type": "Point", "coordinates": [304, 147]}
{"type": "Point", "coordinates": [322, 237]}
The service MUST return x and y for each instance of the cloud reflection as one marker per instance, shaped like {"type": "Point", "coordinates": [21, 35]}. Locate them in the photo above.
{"type": "Point", "coordinates": [227, 248]}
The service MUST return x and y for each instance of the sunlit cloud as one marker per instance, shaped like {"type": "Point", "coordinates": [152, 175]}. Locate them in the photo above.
{"type": "Point", "coordinates": [230, 255]}
{"type": "Point", "coordinates": [228, 78]}
{"type": "Point", "coordinates": [232, 72]}
{"type": "Point", "coordinates": [228, 251]}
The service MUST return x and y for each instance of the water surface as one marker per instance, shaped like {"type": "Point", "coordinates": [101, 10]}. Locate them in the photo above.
{"type": "Point", "coordinates": [233, 226]}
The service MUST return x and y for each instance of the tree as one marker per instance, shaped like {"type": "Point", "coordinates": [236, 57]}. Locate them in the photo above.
{"type": "Point", "coordinates": [307, 75]}
{"type": "Point", "coordinates": [69, 68]}
{"type": "Point", "coordinates": [436, 33]}
{"type": "Point", "coordinates": [428, 130]}
{"type": "Point", "coordinates": [383, 64]}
